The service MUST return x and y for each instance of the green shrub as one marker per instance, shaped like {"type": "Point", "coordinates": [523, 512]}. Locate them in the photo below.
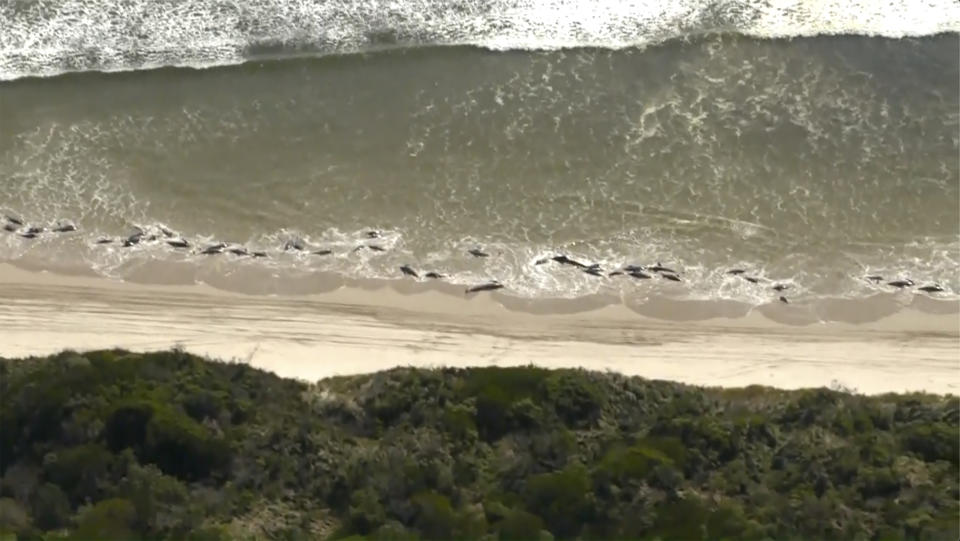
{"type": "Point", "coordinates": [493, 414]}
{"type": "Point", "coordinates": [728, 522]}
{"type": "Point", "coordinates": [394, 531]}
{"type": "Point", "coordinates": [81, 472]}
{"type": "Point", "coordinates": [161, 502]}
{"type": "Point", "coordinates": [635, 463]}
{"type": "Point", "coordinates": [714, 439]}
{"type": "Point", "coordinates": [513, 383]}
{"type": "Point", "coordinates": [577, 400]}
{"type": "Point", "coordinates": [622, 463]}
{"type": "Point", "coordinates": [525, 415]}
{"type": "Point", "coordinates": [200, 404]}
{"type": "Point", "coordinates": [366, 514]}
{"type": "Point", "coordinates": [51, 507]}
{"type": "Point", "coordinates": [563, 499]}
{"type": "Point", "coordinates": [587, 455]}
{"type": "Point", "coordinates": [435, 516]}
{"type": "Point", "coordinates": [211, 532]}
{"type": "Point", "coordinates": [497, 392]}
{"type": "Point", "coordinates": [183, 448]}
{"type": "Point", "coordinates": [684, 519]}
{"type": "Point", "coordinates": [13, 518]}
{"type": "Point", "coordinates": [127, 425]}
{"type": "Point", "coordinates": [519, 526]}
{"type": "Point", "coordinates": [111, 519]}
{"type": "Point", "coordinates": [932, 442]}
{"type": "Point", "coordinates": [458, 421]}
{"type": "Point", "coordinates": [879, 482]}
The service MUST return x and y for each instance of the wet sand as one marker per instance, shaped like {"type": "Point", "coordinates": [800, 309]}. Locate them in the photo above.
{"type": "Point", "coordinates": [354, 330]}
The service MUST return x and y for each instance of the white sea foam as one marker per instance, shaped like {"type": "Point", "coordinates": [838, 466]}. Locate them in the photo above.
{"type": "Point", "coordinates": [39, 38]}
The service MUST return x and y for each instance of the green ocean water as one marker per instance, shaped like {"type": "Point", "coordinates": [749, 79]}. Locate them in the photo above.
{"type": "Point", "coordinates": [812, 161]}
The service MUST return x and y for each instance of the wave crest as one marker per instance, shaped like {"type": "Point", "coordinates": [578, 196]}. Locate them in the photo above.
{"type": "Point", "coordinates": [40, 39]}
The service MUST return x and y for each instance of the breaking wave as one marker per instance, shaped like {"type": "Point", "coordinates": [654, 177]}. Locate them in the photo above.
{"type": "Point", "coordinates": [40, 39]}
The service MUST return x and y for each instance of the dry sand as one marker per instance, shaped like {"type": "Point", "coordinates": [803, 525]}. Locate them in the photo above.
{"type": "Point", "coordinates": [353, 330]}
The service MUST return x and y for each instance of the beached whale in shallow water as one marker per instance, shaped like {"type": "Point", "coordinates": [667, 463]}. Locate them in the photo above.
{"type": "Point", "coordinates": [564, 260]}
{"type": "Point", "coordinates": [901, 283]}
{"type": "Point", "coordinates": [179, 243]}
{"type": "Point", "coordinates": [294, 244]}
{"type": "Point", "coordinates": [64, 227]}
{"type": "Point", "coordinates": [935, 288]}
{"type": "Point", "coordinates": [489, 286]}
{"type": "Point", "coordinates": [660, 268]}
{"type": "Point", "coordinates": [780, 287]}
{"type": "Point", "coordinates": [671, 277]}
{"type": "Point", "coordinates": [434, 275]}
{"type": "Point", "coordinates": [408, 270]}
{"type": "Point", "coordinates": [372, 247]}
{"type": "Point", "coordinates": [133, 239]}
{"type": "Point", "coordinates": [476, 252]}
{"type": "Point", "coordinates": [214, 249]}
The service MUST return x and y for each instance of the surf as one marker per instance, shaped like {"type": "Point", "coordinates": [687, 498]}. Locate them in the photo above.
{"type": "Point", "coordinates": [40, 40]}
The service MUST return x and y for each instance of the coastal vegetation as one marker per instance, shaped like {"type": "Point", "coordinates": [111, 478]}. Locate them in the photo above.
{"type": "Point", "coordinates": [167, 445]}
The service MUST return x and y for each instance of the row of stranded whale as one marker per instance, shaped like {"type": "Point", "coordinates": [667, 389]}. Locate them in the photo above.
{"type": "Point", "coordinates": [16, 225]}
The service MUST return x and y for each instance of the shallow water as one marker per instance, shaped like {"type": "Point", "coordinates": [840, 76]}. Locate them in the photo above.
{"type": "Point", "coordinates": [811, 162]}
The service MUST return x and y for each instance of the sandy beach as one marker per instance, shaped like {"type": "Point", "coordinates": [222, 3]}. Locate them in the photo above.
{"type": "Point", "coordinates": [354, 330]}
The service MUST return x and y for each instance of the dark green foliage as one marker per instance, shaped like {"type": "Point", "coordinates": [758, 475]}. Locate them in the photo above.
{"type": "Point", "coordinates": [209, 533]}
{"type": "Point", "coordinates": [108, 520]}
{"type": "Point", "coordinates": [458, 422]}
{"type": "Point", "coordinates": [183, 448]}
{"type": "Point", "coordinates": [685, 518]}
{"type": "Point", "coordinates": [622, 464]}
{"type": "Point", "coordinates": [13, 517]}
{"type": "Point", "coordinates": [578, 401]}
{"type": "Point", "coordinates": [496, 391]}
{"type": "Point", "coordinates": [436, 518]}
{"type": "Point", "coordinates": [127, 425]}
{"type": "Point", "coordinates": [366, 513]}
{"type": "Point", "coordinates": [114, 445]}
{"type": "Point", "coordinates": [51, 508]}
{"type": "Point", "coordinates": [79, 470]}
{"type": "Point", "coordinates": [937, 441]}
{"type": "Point", "coordinates": [519, 526]}
{"type": "Point", "coordinates": [161, 502]}
{"type": "Point", "coordinates": [563, 499]}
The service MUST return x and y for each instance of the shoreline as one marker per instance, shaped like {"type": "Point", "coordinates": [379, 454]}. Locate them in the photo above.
{"type": "Point", "coordinates": [369, 329]}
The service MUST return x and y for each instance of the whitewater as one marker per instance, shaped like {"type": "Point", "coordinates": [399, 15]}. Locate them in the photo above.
{"type": "Point", "coordinates": [40, 38]}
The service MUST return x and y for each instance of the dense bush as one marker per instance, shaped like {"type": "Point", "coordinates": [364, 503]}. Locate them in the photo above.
{"type": "Point", "coordinates": [563, 499]}
{"type": "Point", "coordinates": [114, 445]}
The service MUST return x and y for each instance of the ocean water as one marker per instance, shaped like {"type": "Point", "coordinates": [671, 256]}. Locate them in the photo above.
{"type": "Point", "coordinates": [810, 142]}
